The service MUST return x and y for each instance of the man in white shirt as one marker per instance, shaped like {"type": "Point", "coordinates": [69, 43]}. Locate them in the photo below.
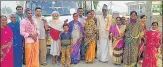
{"type": "Point", "coordinates": [43, 27]}
{"type": "Point", "coordinates": [80, 13]}
{"type": "Point", "coordinates": [81, 20]}
{"type": "Point", "coordinates": [103, 24]}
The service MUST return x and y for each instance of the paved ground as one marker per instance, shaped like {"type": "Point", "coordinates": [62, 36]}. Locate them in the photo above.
{"type": "Point", "coordinates": [81, 64]}
{"type": "Point", "coordinates": [95, 64]}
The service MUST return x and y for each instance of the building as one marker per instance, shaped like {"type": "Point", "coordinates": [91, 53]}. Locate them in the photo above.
{"type": "Point", "coordinates": [138, 6]}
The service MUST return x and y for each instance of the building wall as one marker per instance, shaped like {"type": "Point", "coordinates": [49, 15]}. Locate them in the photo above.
{"type": "Point", "coordinates": [141, 8]}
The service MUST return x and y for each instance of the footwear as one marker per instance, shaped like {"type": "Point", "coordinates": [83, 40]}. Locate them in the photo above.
{"type": "Point", "coordinates": [44, 64]}
{"type": "Point", "coordinates": [103, 61]}
{"type": "Point", "coordinates": [63, 65]}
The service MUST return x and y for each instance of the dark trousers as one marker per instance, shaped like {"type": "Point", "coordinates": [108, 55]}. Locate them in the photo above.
{"type": "Point", "coordinates": [96, 50]}
{"type": "Point", "coordinates": [24, 51]}
{"type": "Point", "coordinates": [82, 49]}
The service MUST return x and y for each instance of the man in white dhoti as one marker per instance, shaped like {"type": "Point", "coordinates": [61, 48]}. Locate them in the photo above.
{"type": "Point", "coordinates": [55, 29]}
{"type": "Point", "coordinates": [103, 25]}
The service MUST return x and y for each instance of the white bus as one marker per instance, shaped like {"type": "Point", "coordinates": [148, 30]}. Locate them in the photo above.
{"type": "Point", "coordinates": [65, 9]}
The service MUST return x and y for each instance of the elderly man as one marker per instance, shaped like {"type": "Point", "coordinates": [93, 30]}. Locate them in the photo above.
{"type": "Point", "coordinates": [103, 25]}
{"type": "Point", "coordinates": [30, 30]}
{"type": "Point", "coordinates": [17, 41]}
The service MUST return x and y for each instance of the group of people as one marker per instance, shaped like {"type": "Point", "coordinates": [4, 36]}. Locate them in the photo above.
{"type": "Point", "coordinates": [83, 38]}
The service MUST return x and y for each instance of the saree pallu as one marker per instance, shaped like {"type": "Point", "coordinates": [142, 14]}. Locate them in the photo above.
{"type": "Point", "coordinates": [117, 31]}
{"type": "Point", "coordinates": [32, 54]}
{"type": "Point", "coordinates": [6, 47]}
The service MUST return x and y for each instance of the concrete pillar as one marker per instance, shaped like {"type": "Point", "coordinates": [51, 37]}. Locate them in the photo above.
{"type": "Point", "coordinates": [149, 13]}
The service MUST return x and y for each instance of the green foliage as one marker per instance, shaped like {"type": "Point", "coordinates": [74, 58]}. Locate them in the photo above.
{"type": "Point", "coordinates": [161, 6]}
{"type": "Point", "coordinates": [157, 9]}
{"type": "Point", "coordinates": [95, 4]}
{"type": "Point", "coordinates": [6, 10]}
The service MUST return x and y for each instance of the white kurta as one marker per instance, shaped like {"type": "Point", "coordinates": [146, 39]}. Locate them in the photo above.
{"type": "Point", "coordinates": [104, 42]}
{"type": "Point", "coordinates": [81, 19]}
{"type": "Point", "coordinates": [55, 44]}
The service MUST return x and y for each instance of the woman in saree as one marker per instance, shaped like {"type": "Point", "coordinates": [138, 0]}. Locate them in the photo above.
{"type": "Point", "coordinates": [143, 20]}
{"type": "Point", "coordinates": [6, 46]}
{"type": "Point", "coordinates": [132, 41]}
{"type": "Point", "coordinates": [153, 43]}
{"type": "Point", "coordinates": [90, 38]}
{"type": "Point", "coordinates": [17, 41]}
{"type": "Point", "coordinates": [55, 28]}
{"type": "Point", "coordinates": [117, 31]}
{"type": "Point", "coordinates": [76, 30]}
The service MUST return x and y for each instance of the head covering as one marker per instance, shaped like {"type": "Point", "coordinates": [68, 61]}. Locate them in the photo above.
{"type": "Point", "coordinates": [55, 12]}
{"type": "Point", "coordinates": [133, 20]}
{"type": "Point", "coordinates": [105, 7]}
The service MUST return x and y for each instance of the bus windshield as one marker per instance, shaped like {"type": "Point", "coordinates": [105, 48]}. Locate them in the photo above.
{"type": "Point", "coordinates": [63, 7]}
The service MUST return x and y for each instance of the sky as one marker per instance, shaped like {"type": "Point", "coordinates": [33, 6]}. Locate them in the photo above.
{"type": "Point", "coordinates": [119, 6]}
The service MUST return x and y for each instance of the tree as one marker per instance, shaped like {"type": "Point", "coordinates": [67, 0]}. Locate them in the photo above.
{"type": "Point", "coordinates": [6, 10]}
{"type": "Point", "coordinates": [95, 4]}
{"type": "Point", "coordinates": [161, 6]}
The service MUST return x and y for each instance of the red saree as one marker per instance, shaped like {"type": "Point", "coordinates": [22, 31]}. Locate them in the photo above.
{"type": "Point", "coordinates": [6, 47]}
{"type": "Point", "coordinates": [153, 40]}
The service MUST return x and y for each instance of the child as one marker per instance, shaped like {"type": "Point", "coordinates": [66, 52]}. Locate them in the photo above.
{"type": "Point", "coordinates": [66, 46]}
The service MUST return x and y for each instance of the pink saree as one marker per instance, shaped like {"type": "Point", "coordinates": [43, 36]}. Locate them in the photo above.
{"type": "Point", "coordinates": [153, 42]}
{"type": "Point", "coordinates": [6, 47]}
